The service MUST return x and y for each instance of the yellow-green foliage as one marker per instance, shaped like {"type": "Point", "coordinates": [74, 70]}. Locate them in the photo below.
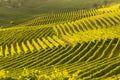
{"type": "Point", "coordinates": [115, 77]}
{"type": "Point", "coordinates": [30, 46]}
{"type": "Point", "coordinates": [12, 50]}
{"type": "Point", "coordinates": [41, 44]}
{"type": "Point", "coordinates": [60, 41]}
{"type": "Point", "coordinates": [47, 42]}
{"type": "Point", "coordinates": [69, 39]}
{"type": "Point", "coordinates": [1, 51]}
{"type": "Point", "coordinates": [52, 41]}
{"type": "Point", "coordinates": [92, 35]}
{"type": "Point", "coordinates": [36, 45]}
{"type": "Point", "coordinates": [6, 51]}
{"type": "Point", "coordinates": [24, 47]}
{"type": "Point", "coordinates": [76, 30]}
{"type": "Point", "coordinates": [18, 49]}
{"type": "Point", "coordinates": [35, 74]}
{"type": "Point", "coordinates": [113, 7]}
{"type": "Point", "coordinates": [2, 74]}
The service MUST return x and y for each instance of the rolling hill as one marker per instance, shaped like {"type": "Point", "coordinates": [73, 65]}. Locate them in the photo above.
{"type": "Point", "coordinates": [84, 44]}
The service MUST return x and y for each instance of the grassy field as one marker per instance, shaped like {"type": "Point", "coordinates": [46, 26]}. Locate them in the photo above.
{"type": "Point", "coordinates": [18, 15]}
{"type": "Point", "coordinates": [75, 44]}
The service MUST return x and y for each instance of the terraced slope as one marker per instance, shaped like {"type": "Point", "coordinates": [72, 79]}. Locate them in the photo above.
{"type": "Point", "coordinates": [73, 57]}
{"type": "Point", "coordinates": [72, 54]}
{"type": "Point", "coordinates": [62, 17]}
{"type": "Point", "coordinates": [95, 22]}
{"type": "Point", "coordinates": [89, 46]}
{"type": "Point", "coordinates": [17, 35]}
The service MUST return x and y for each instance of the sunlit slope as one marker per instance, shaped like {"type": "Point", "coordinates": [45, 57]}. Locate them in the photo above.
{"type": "Point", "coordinates": [95, 22]}
{"type": "Point", "coordinates": [112, 7]}
{"type": "Point", "coordinates": [90, 51]}
{"type": "Point", "coordinates": [89, 45]}
{"type": "Point", "coordinates": [92, 58]}
{"type": "Point", "coordinates": [24, 32]}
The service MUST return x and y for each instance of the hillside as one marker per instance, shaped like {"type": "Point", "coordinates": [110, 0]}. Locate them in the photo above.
{"type": "Point", "coordinates": [19, 11]}
{"type": "Point", "coordinates": [67, 44]}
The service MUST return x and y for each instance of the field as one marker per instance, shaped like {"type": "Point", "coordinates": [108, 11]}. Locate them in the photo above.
{"type": "Point", "coordinates": [71, 45]}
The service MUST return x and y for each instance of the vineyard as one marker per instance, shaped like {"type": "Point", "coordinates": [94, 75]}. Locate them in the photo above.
{"type": "Point", "coordinates": [83, 42]}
